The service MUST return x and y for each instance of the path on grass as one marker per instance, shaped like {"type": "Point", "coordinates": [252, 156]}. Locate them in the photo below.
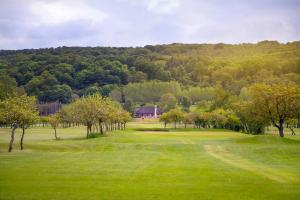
{"type": "Point", "coordinates": [222, 154]}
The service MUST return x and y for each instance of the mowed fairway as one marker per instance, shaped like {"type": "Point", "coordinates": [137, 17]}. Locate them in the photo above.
{"type": "Point", "coordinates": [191, 164]}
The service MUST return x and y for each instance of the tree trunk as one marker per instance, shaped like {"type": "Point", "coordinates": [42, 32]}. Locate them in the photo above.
{"type": "Point", "coordinates": [292, 130]}
{"type": "Point", "coordinates": [55, 134]}
{"type": "Point", "coordinates": [87, 132]}
{"type": "Point", "coordinates": [101, 128]}
{"type": "Point", "coordinates": [175, 124]}
{"type": "Point", "coordinates": [12, 137]}
{"type": "Point", "coordinates": [22, 137]}
{"type": "Point", "coordinates": [281, 128]}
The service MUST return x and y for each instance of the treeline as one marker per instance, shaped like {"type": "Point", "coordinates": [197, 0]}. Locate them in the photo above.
{"type": "Point", "coordinates": [65, 73]}
{"type": "Point", "coordinates": [98, 114]}
{"type": "Point", "coordinates": [260, 106]}
{"type": "Point", "coordinates": [165, 94]}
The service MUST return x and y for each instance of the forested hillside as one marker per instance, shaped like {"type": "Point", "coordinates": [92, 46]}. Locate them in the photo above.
{"type": "Point", "coordinates": [68, 72]}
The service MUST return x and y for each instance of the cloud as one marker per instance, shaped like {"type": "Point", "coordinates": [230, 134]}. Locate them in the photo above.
{"type": "Point", "coordinates": [55, 12]}
{"type": "Point", "coordinates": [45, 23]}
{"type": "Point", "coordinates": [163, 6]}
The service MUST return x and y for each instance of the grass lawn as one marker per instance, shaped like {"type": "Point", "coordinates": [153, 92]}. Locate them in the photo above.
{"type": "Point", "coordinates": [191, 164]}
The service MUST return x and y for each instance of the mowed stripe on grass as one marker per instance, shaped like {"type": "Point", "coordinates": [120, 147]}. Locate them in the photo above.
{"type": "Point", "coordinates": [277, 175]}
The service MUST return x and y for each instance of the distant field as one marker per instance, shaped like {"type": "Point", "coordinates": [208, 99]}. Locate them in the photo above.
{"type": "Point", "coordinates": [191, 164]}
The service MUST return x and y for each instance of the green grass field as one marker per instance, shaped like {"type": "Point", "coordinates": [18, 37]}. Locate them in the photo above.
{"type": "Point", "coordinates": [182, 164]}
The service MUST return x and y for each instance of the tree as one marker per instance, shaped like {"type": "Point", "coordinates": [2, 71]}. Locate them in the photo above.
{"type": "Point", "coordinates": [124, 117]}
{"type": "Point", "coordinates": [150, 91]}
{"type": "Point", "coordinates": [18, 112]}
{"type": "Point", "coordinates": [291, 124]}
{"type": "Point", "coordinates": [196, 94]}
{"type": "Point", "coordinates": [168, 101]}
{"type": "Point", "coordinates": [30, 115]}
{"type": "Point", "coordinates": [201, 119]}
{"type": "Point", "coordinates": [186, 103]}
{"type": "Point", "coordinates": [187, 119]}
{"type": "Point", "coordinates": [218, 119]}
{"type": "Point", "coordinates": [175, 115]}
{"type": "Point", "coordinates": [165, 119]}
{"type": "Point", "coordinates": [250, 121]}
{"type": "Point", "coordinates": [54, 121]}
{"type": "Point", "coordinates": [94, 111]}
{"type": "Point", "coordinates": [85, 110]}
{"type": "Point", "coordinates": [128, 105]}
{"type": "Point", "coordinates": [278, 102]}
{"type": "Point", "coordinates": [8, 87]}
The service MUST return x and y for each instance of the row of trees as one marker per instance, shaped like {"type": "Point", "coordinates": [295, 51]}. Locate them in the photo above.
{"type": "Point", "coordinates": [263, 105]}
{"type": "Point", "coordinates": [199, 119]}
{"type": "Point", "coordinates": [166, 94]}
{"type": "Point", "coordinates": [91, 111]}
{"type": "Point", "coordinates": [95, 111]}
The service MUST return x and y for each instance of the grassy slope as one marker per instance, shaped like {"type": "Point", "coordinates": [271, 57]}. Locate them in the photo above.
{"type": "Point", "coordinates": [150, 165]}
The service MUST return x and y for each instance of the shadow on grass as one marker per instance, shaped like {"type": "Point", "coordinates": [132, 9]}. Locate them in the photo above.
{"type": "Point", "coordinates": [267, 139]}
{"type": "Point", "coordinates": [92, 136]}
{"type": "Point", "coordinates": [180, 129]}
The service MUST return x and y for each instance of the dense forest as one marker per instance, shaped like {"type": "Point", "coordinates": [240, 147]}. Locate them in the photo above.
{"type": "Point", "coordinates": [64, 73]}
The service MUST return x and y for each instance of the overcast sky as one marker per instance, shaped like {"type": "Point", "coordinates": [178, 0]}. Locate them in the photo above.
{"type": "Point", "coordinates": [52, 23]}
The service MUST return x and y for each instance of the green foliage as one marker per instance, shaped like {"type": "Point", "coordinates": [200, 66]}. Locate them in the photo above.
{"type": "Point", "coordinates": [94, 110]}
{"type": "Point", "coordinates": [165, 119]}
{"type": "Point", "coordinates": [150, 91]}
{"type": "Point", "coordinates": [276, 102]}
{"type": "Point", "coordinates": [186, 103]}
{"type": "Point", "coordinates": [18, 112]}
{"type": "Point", "coordinates": [197, 94]}
{"type": "Point", "coordinates": [9, 88]}
{"type": "Point", "coordinates": [167, 102]}
{"type": "Point", "coordinates": [229, 67]}
{"type": "Point", "coordinates": [175, 115]}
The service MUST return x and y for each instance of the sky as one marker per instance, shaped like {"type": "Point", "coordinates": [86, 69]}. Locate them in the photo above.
{"type": "Point", "coordinates": [53, 23]}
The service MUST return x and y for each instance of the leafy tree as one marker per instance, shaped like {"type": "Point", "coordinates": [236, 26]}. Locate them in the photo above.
{"type": "Point", "coordinates": [249, 120]}
{"type": "Point", "coordinates": [54, 121]}
{"type": "Point", "coordinates": [175, 115]}
{"type": "Point", "coordinates": [94, 111]}
{"type": "Point", "coordinates": [124, 117]}
{"type": "Point", "coordinates": [85, 110]}
{"type": "Point", "coordinates": [18, 112]}
{"type": "Point", "coordinates": [91, 90]}
{"type": "Point", "coordinates": [129, 106]}
{"type": "Point", "coordinates": [201, 119]}
{"type": "Point", "coordinates": [197, 94]}
{"type": "Point", "coordinates": [137, 76]}
{"type": "Point", "coordinates": [186, 103]}
{"type": "Point", "coordinates": [291, 124]}
{"type": "Point", "coordinates": [165, 119]}
{"type": "Point", "coordinates": [106, 89]}
{"type": "Point", "coordinates": [150, 91]}
{"type": "Point", "coordinates": [168, 101]}
{"type": "Point", "coordinates": [187, 119]}
{"type": "Point", "coordinates": [9, 88]}
{"type": "Point", "coordinates": [277, 102]}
